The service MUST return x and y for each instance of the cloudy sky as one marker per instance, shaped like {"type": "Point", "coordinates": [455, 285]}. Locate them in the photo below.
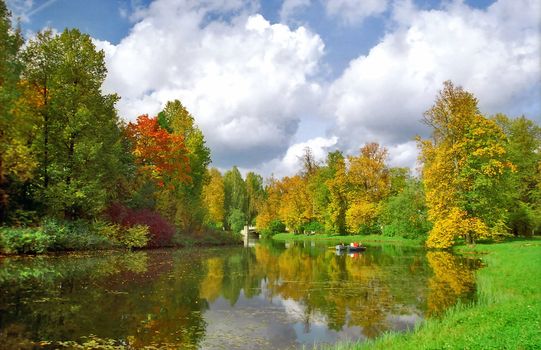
{"type": "Point", "coordinates": [264, 79]}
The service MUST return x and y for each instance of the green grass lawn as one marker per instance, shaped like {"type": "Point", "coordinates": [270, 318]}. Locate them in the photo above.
{"type": "Point", "coordinates": [507, 314]}
{"type": "Point", "coordinates": [365, 239]}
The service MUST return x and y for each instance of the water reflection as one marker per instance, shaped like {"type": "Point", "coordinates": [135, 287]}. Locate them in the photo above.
{"type": "Point", "coordinates": [453, 279]}
{"type": "Point", "coordinates": [266, 296]}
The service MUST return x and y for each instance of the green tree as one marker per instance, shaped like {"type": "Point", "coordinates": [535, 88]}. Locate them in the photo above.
{"type": "Point", "coordinates": [236, 196]}
{"type": "Point", "coordinates": [337, 186]}
{"type": "Point", "coordinates": [398, 178]}
{"type": "Point", "coordinates": [236, 220]}
{"type": "Point", "coordinates": [80, 143]}
{"type": "Point", "coordinates": [316, 177]}
{"type": "Point", "coordinates": [255, 195]}
{"type": "Point", "coordinates": [524, 151]}
{"type": "Point", "coordinates": [405, 213]}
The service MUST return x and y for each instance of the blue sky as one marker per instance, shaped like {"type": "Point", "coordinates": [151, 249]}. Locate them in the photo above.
{"type": "Point", "coordinates": [264, 79]}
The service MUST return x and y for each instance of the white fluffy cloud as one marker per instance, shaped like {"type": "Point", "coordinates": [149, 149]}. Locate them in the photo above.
{"type": "Point", "coordinates": [247, 82]}
{"type": "Point", "coordinates": [347, 11]}
{"type": "Point", "coordinates": [290, 7]}
{"type": "Point", "coordinates": [494, 53]}
{"type": "Point", "coordinates": [290, 163]}
{"type": "Point", "coordinates": [403, 155]}
{"type": "Point", "coordinates": [355, 11]}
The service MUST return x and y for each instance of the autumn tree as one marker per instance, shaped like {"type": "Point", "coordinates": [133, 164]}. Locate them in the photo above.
{"type": "Point", "coordinates": [295, 208]}
{"type": "Point", "coordinates": [184, 206]}
{"type": "Point", "coordinates": [465, 164]}
{"type": "Point", "coordinates": [160, 156]}
{"type": "Point", "coordinates": [368, 183]}
{"type": "Point", "coordinates": [270, 206]}
{"type": "Point", "coordinates": [213, 199]}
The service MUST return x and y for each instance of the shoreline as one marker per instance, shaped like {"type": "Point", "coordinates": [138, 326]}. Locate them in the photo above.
{"type": "Point", "coordinates": [182, 241]}
{"type": "Point", "coordinates": [365, 239]}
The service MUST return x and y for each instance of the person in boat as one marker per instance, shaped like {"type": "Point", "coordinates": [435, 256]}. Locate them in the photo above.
{"type": "Point", "coordinates": [340, 246]}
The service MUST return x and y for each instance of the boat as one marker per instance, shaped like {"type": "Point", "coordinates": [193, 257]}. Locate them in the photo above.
{"type": "Point", "coordinates": [356, 249]}
{"type": "Point", "coordinates": [349, 248]}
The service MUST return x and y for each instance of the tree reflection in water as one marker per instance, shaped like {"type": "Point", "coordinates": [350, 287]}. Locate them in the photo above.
{"type": "Point", "coordinates": [453, 279]}
{"type": "Point", "coordinates": [203, 298]}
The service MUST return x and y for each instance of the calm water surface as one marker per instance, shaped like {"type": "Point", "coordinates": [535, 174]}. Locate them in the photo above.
{"type": "Point", "coordinates": [265, 297]}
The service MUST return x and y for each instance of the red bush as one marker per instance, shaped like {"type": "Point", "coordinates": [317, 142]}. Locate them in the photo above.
{"type": "Point", "coordinates": [161, 231]}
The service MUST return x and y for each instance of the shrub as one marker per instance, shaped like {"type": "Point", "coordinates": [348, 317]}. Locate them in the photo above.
{"type": "Point", "coordinates": [136, 236]}
{"type": "Point", "coordinates": [75, 235]}
{"type": "Point", "coordinates": [161, 231]}
{"type": "Point", "coordinates": [313, 226]}
{"type": "Point", "coordinates": [106, 229]}
{"type": "Point", "coordinates": [24, 241]}
{"type": "Point", "coordinates": [275, 226]}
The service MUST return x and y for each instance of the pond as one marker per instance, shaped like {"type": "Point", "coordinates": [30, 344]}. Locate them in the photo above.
{"type": "Point", "coordinates": [268, 296]}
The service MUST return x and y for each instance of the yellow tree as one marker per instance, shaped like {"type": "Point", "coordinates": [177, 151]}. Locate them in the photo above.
{"type": "Point", "coordinates": [369, 183]}
{"type": "Point", "coordinates": [296, 206]}
{"type": "Point", "coordinates": [213, 199]}
{"type": "Point", "coordinates": [269, 207]}
{"type": "Point", "coordinates": [465, 164]}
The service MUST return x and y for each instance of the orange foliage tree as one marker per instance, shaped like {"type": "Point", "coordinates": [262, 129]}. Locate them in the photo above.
{"type": "Point", "coordinates": [160, 155]}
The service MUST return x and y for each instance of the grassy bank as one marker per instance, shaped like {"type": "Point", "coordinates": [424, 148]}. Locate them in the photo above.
{"type": "Point", "coordinates": [507, 314]}
{"type": "Point", "coordinates": [365, 239]}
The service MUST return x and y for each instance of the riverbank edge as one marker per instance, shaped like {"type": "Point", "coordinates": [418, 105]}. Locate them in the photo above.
{"type": "Point", "coordinates": [506, 315]}
{"type": "Point", "coordinates": [365, 239]}
{"type": "Point", "coordinates": [180, 241]}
